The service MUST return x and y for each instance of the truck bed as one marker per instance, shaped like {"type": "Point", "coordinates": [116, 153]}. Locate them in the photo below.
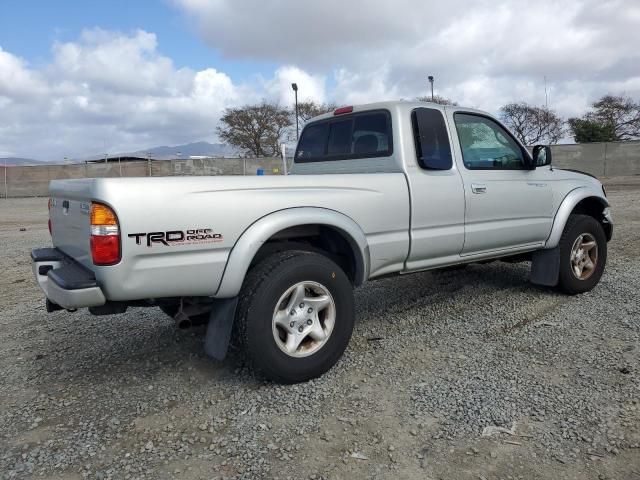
{"type": "Point", "coordinates": [378, 203]}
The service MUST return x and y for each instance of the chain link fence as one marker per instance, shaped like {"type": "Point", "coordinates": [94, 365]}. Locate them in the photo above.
{"type": "Point", "coordinates": [33, 181]}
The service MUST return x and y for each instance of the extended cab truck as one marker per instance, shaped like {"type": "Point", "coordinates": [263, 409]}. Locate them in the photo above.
{"type": "Point", "coordinates": [379, 189]}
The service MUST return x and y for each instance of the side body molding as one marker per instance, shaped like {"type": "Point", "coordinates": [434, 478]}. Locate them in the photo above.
{"type": "Point", "coordinates": [569, 202]}
{"type": "Point", "coordinates": [264, 228]}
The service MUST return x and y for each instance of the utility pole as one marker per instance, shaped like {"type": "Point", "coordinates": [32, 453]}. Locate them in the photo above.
{"type": "Point", "coordinates": [295, 91]}
{"type": "Point", "coordinates": [546, 108]}
{"type": "Point", "coordinates": [6, 190]}
{"type": "Point", "coordinates": [431, 82]}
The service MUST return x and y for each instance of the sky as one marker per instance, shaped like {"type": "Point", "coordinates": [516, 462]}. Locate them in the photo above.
{"type": "Point", "coordinates": [82, 78]}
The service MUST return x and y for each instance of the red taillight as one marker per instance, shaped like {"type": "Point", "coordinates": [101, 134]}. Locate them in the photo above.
{"type": "Point", "coordinates": [105, 235]}
{"type": "Point", "coordinates": [342, 110]}
{"type": "Point", "coordinates": [50, 228]}
{"type": "Point", "coordinates": [105, 249]}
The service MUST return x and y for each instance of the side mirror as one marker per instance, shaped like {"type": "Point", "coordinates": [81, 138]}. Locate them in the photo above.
{"type": "Point", "coordinates": [541, 156]}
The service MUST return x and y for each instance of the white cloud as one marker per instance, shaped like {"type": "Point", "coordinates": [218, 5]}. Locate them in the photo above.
{"type": "Point", "coordinates": [16, 80]}
{"type": "Point", "coordinates": [112, 61]}
{"type": "Point", "coordinates": [310, 87]}
{"type": "Point", "coordinates": [114, 92]}
{"type": "Point", "coordinates": [371, 86]}
{"type": "Point", "coordinates": [110, 92]}
{"type": "Point", "coordinates": [300, 32]}
{"type": "Point", "coordinates": [482, 53]}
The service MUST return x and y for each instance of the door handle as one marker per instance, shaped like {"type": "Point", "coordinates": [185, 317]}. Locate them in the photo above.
{"type": "Point", "coordinates": [478, 188]}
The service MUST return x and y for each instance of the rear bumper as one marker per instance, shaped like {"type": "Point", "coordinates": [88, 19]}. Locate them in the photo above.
{"type": "Point", "coordinates": [64, 281]}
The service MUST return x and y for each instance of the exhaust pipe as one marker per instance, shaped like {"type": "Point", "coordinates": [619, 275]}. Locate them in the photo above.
{"type": "Point", "coordinates": [182, 321]}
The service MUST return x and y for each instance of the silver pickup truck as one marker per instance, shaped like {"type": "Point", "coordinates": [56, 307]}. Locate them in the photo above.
{"type": "Point", "coordinates": [272, 261]}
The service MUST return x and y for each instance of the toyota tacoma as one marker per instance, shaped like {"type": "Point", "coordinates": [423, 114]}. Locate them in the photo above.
{"type": "Point", "coordinates": [272, 261]}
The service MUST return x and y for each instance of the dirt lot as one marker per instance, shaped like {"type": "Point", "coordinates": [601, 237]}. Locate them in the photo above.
{"type": "Point", "coordinates": [434, 360]}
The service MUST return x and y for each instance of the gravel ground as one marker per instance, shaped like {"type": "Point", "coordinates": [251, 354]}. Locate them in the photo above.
{"type": "Point", "coordinates": [467, 374]}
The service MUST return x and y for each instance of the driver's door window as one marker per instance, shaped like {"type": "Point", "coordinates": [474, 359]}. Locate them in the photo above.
{"type": "Point", "coordinates": [486, 145]}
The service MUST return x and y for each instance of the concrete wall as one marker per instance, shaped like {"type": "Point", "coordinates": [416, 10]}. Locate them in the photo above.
{"type": "Point", "coordinates": [622, 158]}
{"type": "Point", "coordinates": [588, 158]}
{"type": "Point", "coordinates": [599, 159]}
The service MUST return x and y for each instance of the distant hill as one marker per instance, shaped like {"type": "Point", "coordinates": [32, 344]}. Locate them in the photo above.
{"type": "Point", "coordinates": [204, 149]}
{"type": "Point", "coordinates": [19, 161]}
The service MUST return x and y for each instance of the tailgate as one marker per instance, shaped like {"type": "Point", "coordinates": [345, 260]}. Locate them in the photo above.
{"type": "Point", "coordinates": [70, 218]}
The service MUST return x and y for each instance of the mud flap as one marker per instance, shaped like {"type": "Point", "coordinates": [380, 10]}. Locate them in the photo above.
{"type": "Point", "coordinates": [545, 267]}
{"type": "Point", "coordinates": [219, 329]}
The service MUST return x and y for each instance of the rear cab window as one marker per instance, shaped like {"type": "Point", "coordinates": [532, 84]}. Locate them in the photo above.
{"type": "Point", "coordinates": [345, 137]}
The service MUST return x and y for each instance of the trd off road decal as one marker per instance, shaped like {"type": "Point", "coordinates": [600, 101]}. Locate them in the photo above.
{"type": "Point", "coordinates": [178, 237]}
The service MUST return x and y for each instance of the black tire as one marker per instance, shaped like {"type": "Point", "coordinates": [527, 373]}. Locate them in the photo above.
{"type": "Point", "coordinates": [579, 225]}
{"type": "Point", "coordinates": [171, 310]}
{"type": "Point", "coordinates": [263, 287]}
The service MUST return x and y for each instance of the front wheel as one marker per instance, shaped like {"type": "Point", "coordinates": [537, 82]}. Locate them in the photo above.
{"type": "Point", "coordinates": [295, 316]}
{"type": "Point", "coordinates": [583, 254]}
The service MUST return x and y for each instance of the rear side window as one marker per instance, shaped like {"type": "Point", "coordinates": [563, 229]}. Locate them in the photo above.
{"type": "Point", "coordinates": [360, 135]}
{"type": "Point", "coordinates": [433, 150]}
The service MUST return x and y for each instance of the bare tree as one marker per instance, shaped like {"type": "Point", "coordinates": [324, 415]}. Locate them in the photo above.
{"type": "Point", "coordinates": [309, 109]}
{"type": "Point", "coordinates": [255, 129]}
{"type": "Point", "coordinates": [437, 99]}
{"type": "Point", "coordinates": [531, 124]}
{"type": "Point", "coordinates": [620, 114]}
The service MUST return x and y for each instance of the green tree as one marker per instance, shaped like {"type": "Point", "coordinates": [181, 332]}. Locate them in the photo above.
{"type": "Point", "coordinates": [585, 131]}
{"type": "Point", "coordinates": [612, 118]}
{"type": "Point", "coordinates": [621, 114]}
{"type": "Point", "coordinates": [255, 129]}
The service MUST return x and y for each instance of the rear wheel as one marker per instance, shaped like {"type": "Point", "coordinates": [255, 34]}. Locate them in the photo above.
{"type": "Point", "coordinates": [583, 254]}
{"type": "Point", "coordinates": [295, 315]}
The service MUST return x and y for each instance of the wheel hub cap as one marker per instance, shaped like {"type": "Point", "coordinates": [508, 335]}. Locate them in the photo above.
{"type": "Point", "coordinates": [303, 319]}
{"type": "Point", "coordinates": [584, 256]}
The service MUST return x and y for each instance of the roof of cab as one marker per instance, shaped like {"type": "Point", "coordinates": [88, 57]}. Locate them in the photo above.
{"type": "Point", "coordinates": [394, 105]}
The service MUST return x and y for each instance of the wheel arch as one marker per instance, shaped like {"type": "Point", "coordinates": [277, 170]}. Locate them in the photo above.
{"type": "Point", "coordinates": [584, 201]}
{"type": "Point", "coordinates": [274, 231]}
